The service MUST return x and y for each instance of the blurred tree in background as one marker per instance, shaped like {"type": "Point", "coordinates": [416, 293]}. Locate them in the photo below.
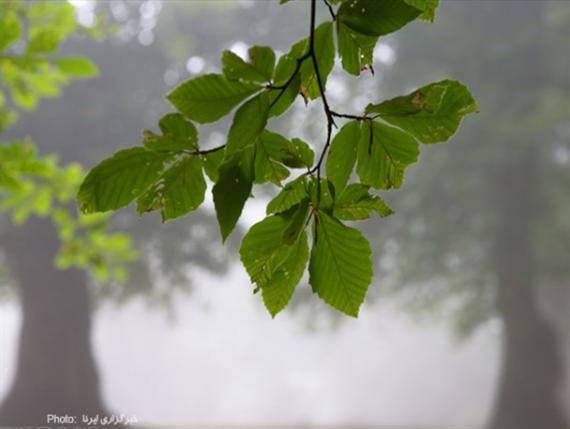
{"type": "Point", "coordinates": [487, 224]}
{"type": "Point", "coordinates": [56, 371]}
{"type": "Point", "coordinates": [38, 194]}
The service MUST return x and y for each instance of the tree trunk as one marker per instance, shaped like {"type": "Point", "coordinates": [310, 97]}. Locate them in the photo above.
{"type": "Point", "coordinates": [532, 368]}
{"type": "Point", "coordinates": [55, 372]}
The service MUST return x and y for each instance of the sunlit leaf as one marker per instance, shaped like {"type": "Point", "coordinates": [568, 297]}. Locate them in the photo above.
{"type": "Point", "coordinates": [77, 66]}
{"type": "Point", "coordinates": [342, 155]}
{"type": "Point", "coordinates": [291, 195]}
{"type": "Point", "coordinates": [179, 190]}
{"type": "Point", "coordinates": [274, 265]}
{"type": "Point", "coordinates": [209, 97]}
{"type": "Point", "coordinates": [356, 203]}
{"type": "Point", "coordinates": [341, 267]}
{"type": "Point", "coordinates": [118, 180]}
{"type": "Point", "coordinates": [432, 113]}
{"type": "Point", "coordinates": [384, 152]}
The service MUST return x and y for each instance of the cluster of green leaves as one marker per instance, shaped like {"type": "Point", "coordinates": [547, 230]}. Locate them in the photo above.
{"type": "Point", "coordinates": [35, 185]}
{"type": "Point", "coordinates": [30, 34]}
{"type": "Point", "coordinates": [167, 172]}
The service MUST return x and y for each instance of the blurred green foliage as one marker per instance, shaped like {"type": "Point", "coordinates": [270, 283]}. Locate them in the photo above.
{"type": "Point", "coordinates": [35, 185]}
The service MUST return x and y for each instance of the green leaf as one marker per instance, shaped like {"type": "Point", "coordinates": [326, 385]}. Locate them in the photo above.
{"type": "Point", "coordinates": [356, 50]}
{"type": "Point", "coordinates": [322, 194]}
{"type": "Point", "coordinates": [209, 97]}
{"type": "Point", "coordinates": [10, 29]}
{"type": "Point", "coordinates": [180, 190]}
{"type": "Point", "coordinates": [249, 122]}
{"type": "Point", "coordinates": [298, 154]}
{"type": "Point", "coordinates": [272, 264]}
{"type": "Point", "coordinates": [258, 69]}
{"type": "Point", "coordinates": [44, 41]}
{"type": "Point", "coordinates": [263, 59]}
{"type": "Point", "coordinates": [376, 18]}
{"type": "Point", "coordinates": [293, 153]}
{"type": "Point", "coordinates": [8, 180]}
{"type": "Point", "coordinates": [286, 99]}
{"type": "Point", "coordinates": [211, 162]}
{"type": "Point", "coordinates": [298, 222]}
{"type": "Point", "coordinates": [77, 66]}
{"type": "Point", "coordinates": [356, 203]}
{"type": "Point", "coordinates": [267, 170]}
{"type": "Point", "coordinates": [428, 7]}
{"type": "Point", "coordinates": [384, 154]}
{"type": "Point", "coordinates": [325, 51]}
{"type": "Point", "coordinates": [262, 249]}
{"type": "Point", "coordinates": [286, 66]}
{"type": "Point", "coordinates": [233, 188]}
{"type": "Point", "coordinates": [178, 134]}
{"type": "Point", "coordinates": [432, 113]}
{"type": "Point", "coordinates": [341, 267]}
{"type": "Point", "coordinates": [292, 194]}
{"type": "Point", "coordinates": [288, 63]}
{"type": "Point", "coordinates": [342, 155]}
{"type": "Point", "coordinates": [118, 180]}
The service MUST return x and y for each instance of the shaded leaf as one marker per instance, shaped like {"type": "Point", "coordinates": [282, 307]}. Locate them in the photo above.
{"type": "Point", "coordinates": [258, 69]}
{"type": "Point", "coordinates": [376, 18]}
{"type": "Point", "coordinates": [178, 134]}
{"type": "Point", "coordinates": [248, 123]}
{"type": "Point", "coordinates": [428, 8]}
{"type": "Point", "coordinates": [233, 188]}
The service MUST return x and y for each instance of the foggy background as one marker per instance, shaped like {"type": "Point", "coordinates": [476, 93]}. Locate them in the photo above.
{"type": "Point", "coordinates": [466, 322]}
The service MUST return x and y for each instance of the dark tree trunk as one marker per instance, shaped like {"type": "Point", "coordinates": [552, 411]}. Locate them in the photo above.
{"type": "Point", "coordinates": [532, 367]}
{"type": "Point", "coordinates": [56, 372]}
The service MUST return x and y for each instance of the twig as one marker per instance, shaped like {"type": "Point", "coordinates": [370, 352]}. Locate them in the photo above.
{"type": "Point", "coordinates": [207, 151]}
{"type": "Point", "coordinates": [284, 87]}
{"type": "Point", "coordinates": [330, 8]}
